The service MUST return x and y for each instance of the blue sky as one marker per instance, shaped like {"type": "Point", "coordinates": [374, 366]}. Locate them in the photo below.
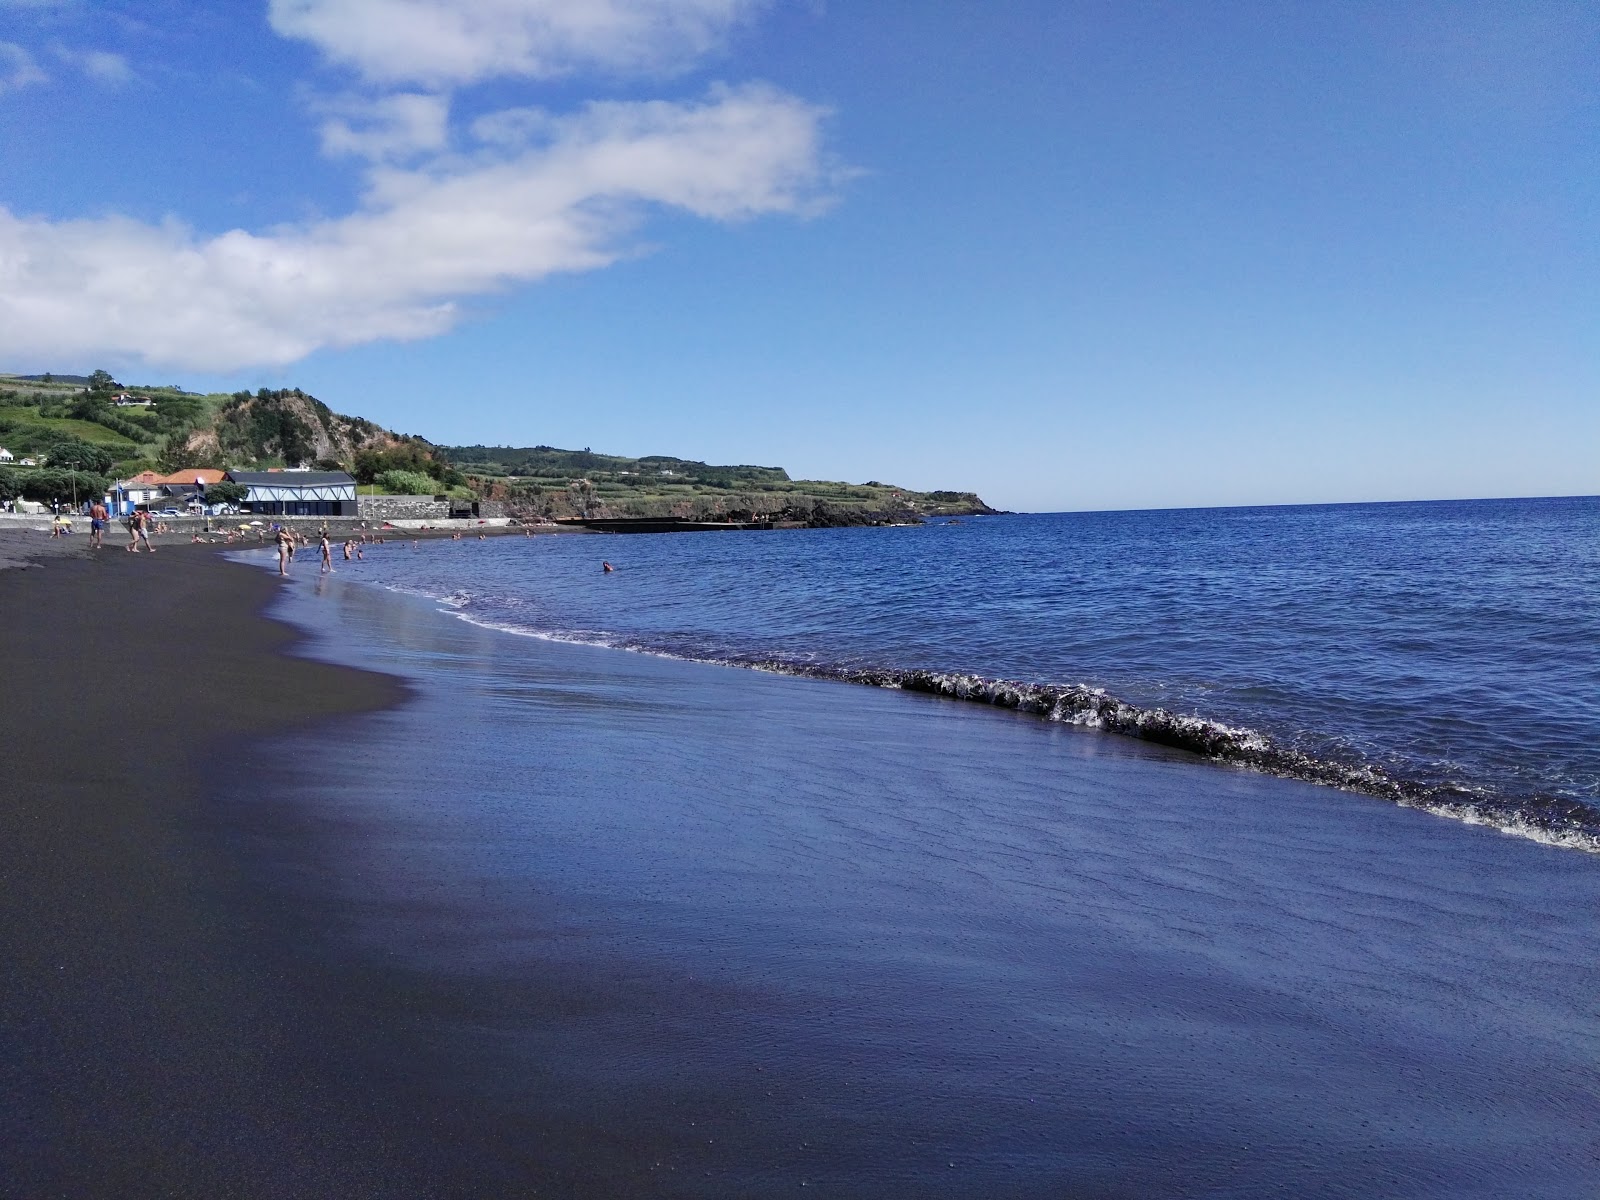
{"type": "Point", "coordinates": [1069, 255]}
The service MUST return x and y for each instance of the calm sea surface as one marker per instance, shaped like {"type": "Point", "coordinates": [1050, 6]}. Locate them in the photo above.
{"type": "Point", "coordinates": [1446, 654]}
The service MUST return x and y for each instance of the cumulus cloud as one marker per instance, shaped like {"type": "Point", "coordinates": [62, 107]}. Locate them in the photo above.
{"type": "Point", "coordinates": [389, 127]}
{"type": "Point", "coordinates": [561, 199]}
{"type": "Point", "coordinates": [442, 43]}
{"type": "Point", "coordinates": [17, 68]}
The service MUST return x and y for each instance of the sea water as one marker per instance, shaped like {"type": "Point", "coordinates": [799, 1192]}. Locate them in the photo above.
{"type": "Point", "coordinates": [1443, 654]}
{"type": "Point", "coordinates": [621, 924]}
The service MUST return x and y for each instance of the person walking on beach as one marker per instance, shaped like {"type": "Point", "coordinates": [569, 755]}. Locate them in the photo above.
{"type": "Point", "coordinates": [139, 531]}
{"type": "Point", "coordinates": [97, 525]}
{"type": "Point", "coordinates": [327, 553]}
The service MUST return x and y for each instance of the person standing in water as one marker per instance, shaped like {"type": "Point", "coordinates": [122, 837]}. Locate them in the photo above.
{"type": "Point", "coordinates": [285, 551]}
{"type": "Point", "coordinates": [327, 553]}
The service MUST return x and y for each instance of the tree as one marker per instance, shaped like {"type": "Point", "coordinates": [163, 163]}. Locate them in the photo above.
{"type": "Point", "coordinates": [47, 485]}
{"type": "Point", "coordinates": [64, 450]}
{"type": "Point", "coordinates": [101, 381]}
{"type": "Point", "coordinates": [226, 492]}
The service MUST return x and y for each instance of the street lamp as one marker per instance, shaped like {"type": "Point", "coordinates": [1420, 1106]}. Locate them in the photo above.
{"type": "Point", "coordinates": [72, 478]}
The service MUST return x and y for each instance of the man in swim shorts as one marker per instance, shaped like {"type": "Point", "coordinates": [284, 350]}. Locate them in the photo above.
{"type": "Point", "coordinates": [97, 524]}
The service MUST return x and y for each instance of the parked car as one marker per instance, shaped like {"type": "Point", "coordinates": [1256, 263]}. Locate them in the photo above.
{"type": "Point", "coordinates": [170, 512]}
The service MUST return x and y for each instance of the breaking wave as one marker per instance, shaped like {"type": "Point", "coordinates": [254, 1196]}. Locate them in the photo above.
{"type": "Point", "coordinates": [1551, 820]}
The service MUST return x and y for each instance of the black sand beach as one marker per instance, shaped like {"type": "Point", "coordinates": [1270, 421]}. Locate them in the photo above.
{"type": "Point", "coordinates": [518, 918]}
{"type": "Point", "coordinates": [160, 1039]}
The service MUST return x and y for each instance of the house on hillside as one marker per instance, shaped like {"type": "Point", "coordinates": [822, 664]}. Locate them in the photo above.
{"type": "Point", "coordinates": [6, 455]}
{"type": "Point", "coordinates": [123, 400]}
{"type": "Point", "coordinates": [297, 493]}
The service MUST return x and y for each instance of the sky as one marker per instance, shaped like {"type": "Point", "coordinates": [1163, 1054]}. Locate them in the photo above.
{"type": "Point", "coordinates": [1069, 255]}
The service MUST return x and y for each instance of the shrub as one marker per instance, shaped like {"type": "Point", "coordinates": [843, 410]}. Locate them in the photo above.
{"type": "Point", "coordinates": [407, 483]}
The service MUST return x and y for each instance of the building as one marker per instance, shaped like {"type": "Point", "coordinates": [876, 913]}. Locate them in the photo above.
{"type": "Point", "coordinates": [142, 491]}
{"type": "Point", "coordinates": [6, 455]}
{"type": "Point", "coordinates": [297, 493]}
{"type": "Point", "coordinates": [193, 477]}
{"type": "Point", "coordinates": [187, 489]}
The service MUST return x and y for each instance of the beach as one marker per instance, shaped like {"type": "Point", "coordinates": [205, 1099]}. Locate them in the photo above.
{"type": "Point", "coordinates": [387, 903]}
{"type": "Point", "coordinates": [160, 1039]}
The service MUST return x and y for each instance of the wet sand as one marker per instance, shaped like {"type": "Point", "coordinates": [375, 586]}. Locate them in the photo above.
{"type": "Point", "coordinates": [672, 929]}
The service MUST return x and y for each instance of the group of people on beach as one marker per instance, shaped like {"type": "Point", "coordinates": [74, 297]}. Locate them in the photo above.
{"type": "Point", "coordinates": [139, 524]}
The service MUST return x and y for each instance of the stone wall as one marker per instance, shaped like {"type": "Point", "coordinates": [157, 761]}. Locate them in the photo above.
{"type": "Point", "coordinates": [403, 508]}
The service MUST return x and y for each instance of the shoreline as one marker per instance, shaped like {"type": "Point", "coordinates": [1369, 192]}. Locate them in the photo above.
{"type": "Point", "coordinates": [628, 932]}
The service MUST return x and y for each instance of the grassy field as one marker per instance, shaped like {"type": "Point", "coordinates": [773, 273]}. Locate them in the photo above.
{"type": "Point", "coordinates": [25, 417]}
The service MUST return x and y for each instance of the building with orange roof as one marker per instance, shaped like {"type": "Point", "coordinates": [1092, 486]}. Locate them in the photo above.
{"type": "Point", "coordinates": [205, 476]}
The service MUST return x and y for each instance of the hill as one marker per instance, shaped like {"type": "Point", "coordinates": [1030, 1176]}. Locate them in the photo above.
{"type": "Point", "coordinates": [129, 429]}
{"type": "Point", "coordinates": [545, 481]}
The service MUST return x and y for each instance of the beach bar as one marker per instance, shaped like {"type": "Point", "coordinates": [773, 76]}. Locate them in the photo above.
{"type": "Point", "coordinates": [297, 493]}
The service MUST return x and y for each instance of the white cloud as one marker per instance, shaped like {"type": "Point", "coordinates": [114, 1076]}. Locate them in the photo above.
{"type": "Point", "coordinates": [17, 68]}
{"type": "Point", "coordinates": [102, 66]}
{"type": "Point", "coordinates": [105, 67]}
{"type": "Point", "coordinates": [116, 289]}
{"type": "Point", "coordinates": [439, 43]}
{"type": "Point", "coordinates": [390, 127]}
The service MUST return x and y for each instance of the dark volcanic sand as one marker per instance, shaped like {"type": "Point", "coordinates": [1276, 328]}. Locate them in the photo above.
{"type": "Point", "coordinates": [159, 1038]}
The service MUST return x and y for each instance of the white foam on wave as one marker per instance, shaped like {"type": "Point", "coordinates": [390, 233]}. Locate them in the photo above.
{"type": "Point", "coordinates": [1091, 707]}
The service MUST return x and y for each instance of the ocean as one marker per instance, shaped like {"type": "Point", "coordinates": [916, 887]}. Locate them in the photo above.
{"type": "Point", "coordinates": [661, 924]}
{"type": "Point", "coordinates": [1442, 654]}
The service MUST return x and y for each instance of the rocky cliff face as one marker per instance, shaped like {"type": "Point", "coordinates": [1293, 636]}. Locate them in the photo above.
{"type": "Point", "coordinates": [290, 426]}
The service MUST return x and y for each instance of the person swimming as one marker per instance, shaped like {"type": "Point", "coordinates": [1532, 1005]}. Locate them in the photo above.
{"type": "Point", "coordinates": [606, 568]}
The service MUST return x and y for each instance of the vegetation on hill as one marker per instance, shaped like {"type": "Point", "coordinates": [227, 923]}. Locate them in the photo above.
{"type": "Point", "coordinates": [545, 481]}
{"type": "Point", "coordinates": [76, 423]}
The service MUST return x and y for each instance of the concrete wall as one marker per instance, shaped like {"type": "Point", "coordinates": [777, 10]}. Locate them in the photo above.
{"type": "Point", "coordinates": [402, 508]}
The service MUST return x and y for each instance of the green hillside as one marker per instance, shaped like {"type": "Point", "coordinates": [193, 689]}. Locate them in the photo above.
{"type": "Point", "coordinates": [545, 481]}
{"type": "Point", "coordinates": [77, 419]}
